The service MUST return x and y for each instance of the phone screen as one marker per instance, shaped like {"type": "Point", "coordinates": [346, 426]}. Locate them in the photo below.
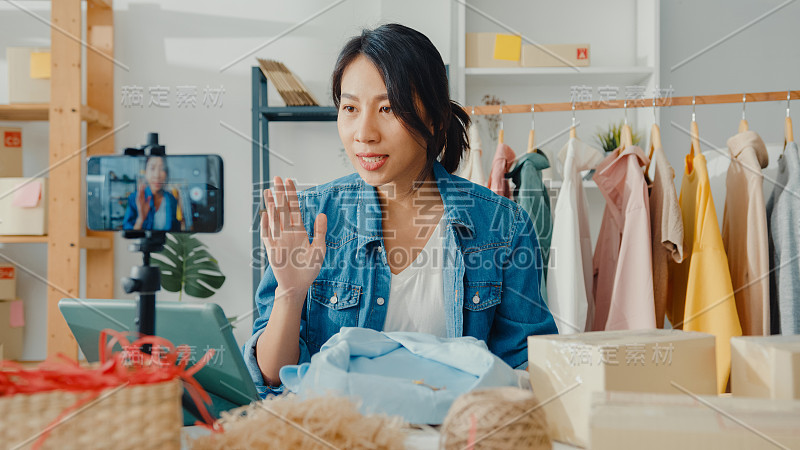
{"type": "Point", "coordinates": [175, 193]}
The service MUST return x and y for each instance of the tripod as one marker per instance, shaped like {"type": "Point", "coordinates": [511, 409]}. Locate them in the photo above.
{"type": "Point", "coordinates": [145, 280]}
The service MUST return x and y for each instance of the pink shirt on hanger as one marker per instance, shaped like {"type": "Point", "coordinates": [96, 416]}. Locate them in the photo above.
{"type": "Point", "coordinates": [501, 164]}
{"type": "Point", "coordinates": [623, 271]}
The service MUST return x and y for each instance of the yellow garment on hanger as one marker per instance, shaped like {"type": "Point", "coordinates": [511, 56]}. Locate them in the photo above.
{"type": "Point", "coordinates": [701, 293]}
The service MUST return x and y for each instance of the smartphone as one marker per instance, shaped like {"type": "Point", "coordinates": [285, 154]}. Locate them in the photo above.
{"type": "Point", "coordinates": [174, 193]}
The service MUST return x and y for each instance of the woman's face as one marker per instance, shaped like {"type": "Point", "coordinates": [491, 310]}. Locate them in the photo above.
{"type": "Point", "coordinates": [380, 148]}
{"type": "Point", "coordinates": [155, 174]}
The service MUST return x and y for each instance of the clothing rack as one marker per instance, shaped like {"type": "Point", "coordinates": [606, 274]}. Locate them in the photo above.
{"type": "Point", "coordinates": [635, 103]}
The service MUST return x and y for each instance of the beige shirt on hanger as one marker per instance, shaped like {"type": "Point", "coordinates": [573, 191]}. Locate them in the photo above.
{"type": "Point", "coordinates": [744, 232]}
{"type": "Point", "coordinates": [471, 166]}
{"type": "Point", "coordinates": [666, 228]}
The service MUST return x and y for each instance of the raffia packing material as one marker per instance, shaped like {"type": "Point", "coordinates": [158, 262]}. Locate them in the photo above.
{"type": "Point", "coordinates": [11, 337]}
{"type": "Point", "coordinates": [766, 366]}
{"type": "Point", "coordinates": [569, 368]}
{"type": "Point", "coordinates": [10, 152]}
{"type": "Point", "coordinates": [480, 51]}
{"type": "Point", "coordinates": [16, 220]}
{"type": "Point", "coordinates": [24, 85]}
{"type": "Point", "coordinates": [634, 421]}
{"type": "Point", "coordinates": [8, 282]}
{"type": "Point", "coordinates": [556, 55]}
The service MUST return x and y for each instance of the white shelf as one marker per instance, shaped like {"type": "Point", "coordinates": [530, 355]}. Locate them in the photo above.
{"type": "Point", "coordinates": [612, 76]}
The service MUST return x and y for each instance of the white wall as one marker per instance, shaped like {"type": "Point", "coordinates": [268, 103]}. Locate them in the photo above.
{"type": "Point", "coordinates": [763, 57]}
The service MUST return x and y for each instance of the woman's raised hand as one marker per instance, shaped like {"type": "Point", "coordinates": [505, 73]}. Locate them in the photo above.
{"type": "Point", "coordinates": [294, 260]}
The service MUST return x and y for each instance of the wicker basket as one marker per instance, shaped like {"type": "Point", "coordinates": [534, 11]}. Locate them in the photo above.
{"type": "Point", "coordinates": [145, 416]}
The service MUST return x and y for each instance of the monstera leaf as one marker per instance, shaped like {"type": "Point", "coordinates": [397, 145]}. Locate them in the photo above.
{"type": "Point", "coordinates": [186, 266]}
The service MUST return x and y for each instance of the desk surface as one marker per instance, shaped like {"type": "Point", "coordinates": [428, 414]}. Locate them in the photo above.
{"type": "Point", "coordinates": [416, 439]}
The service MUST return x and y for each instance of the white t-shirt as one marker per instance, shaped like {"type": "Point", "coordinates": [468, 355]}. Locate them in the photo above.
{"type": "Point", "coordinates": [416, 295]}
{"type": "Point", "coordinates": [160, 217]}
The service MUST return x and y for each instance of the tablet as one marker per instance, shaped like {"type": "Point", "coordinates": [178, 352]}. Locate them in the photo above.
{"type": "Point", "coordinates": [200, 326]}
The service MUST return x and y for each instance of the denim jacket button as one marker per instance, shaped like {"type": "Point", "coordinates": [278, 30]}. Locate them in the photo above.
{"type": "Point", "coordinates": [380, 301]}
{"type": "Point", "coordinates": [334, 299]}
{"type": "Point", "coordinates": [476, 299]}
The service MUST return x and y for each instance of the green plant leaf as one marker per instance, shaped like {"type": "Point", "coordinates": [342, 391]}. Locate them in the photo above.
{"type": "Point", "coordinates": [187, 266]}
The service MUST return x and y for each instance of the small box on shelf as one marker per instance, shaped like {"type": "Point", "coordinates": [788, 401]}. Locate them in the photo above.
{"type": "Point", "coordinates": [481, 51]}
{"type": "Point", "coordinates": [28, 74]}
{"type": "Point", "coordinates": [23, 206]}
{"type": "Point", "coordinates": [10, 152]}
{"type": "Point", "coordinates": [556, 55]}
{"type": "Point", "coordinates": [8, 282]}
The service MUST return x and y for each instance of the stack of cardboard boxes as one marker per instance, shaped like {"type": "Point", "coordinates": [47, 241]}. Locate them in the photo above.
{"type": "Point", "coordinates": [656, 389]}
{"type": "Point", "coordinates": [23, 201]}
{"type": "Point", "coordinates": [12, 314]}
{"type": "Point", "coordinates": [492, 50]}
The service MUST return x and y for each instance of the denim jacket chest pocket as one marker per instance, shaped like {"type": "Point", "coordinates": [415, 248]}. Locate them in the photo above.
{"type": "Point", "coordinates": [480, 301]}
{"type": "Point", "coordinates": [331, 306]}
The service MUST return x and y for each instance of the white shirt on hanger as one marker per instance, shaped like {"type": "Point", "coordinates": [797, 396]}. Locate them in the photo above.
{"type": "Point", "coordinates": [569, 279]}
{"type": "Point", "coordinates": [416, 295]}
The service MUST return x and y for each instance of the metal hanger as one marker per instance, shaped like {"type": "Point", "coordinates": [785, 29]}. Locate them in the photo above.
{"type": "Point", "coordinates": [531, 134]}
{"type": "Point", "coordinates": [743, 123]}
{"type": "Point", "coordinates": [625, 135]}
{"type": "Point", "coordinates": [501, 136]}
{"type": "Point", "coordinates": [572, 133]}
{"type": "Point", "coordinates": [695, 133]}
{"type": "Point", "coordinates": [788, 134]}
{"type": "Point", "coordinates": [655, 137]}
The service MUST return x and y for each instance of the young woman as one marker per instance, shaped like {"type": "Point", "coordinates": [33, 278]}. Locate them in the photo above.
{"type": "Point", "coordinates": [401, 244]}
{"type": "Point", "coordinates": [151, 207]}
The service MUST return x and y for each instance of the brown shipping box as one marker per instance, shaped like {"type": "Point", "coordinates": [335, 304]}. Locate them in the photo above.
{"type": "Point", "coordinates": [23, 211]}
{"type": "Point", "coordinates": [634, 421]}
{"type": "Point", "coordinates": [10, 152]}
{"type": "Point", "coordinates": [766, 366]}
{"type": "Point", "coordinates": [8, 281]}
{"type": "Point", "coordinates": [28, 74]}
{"type": "Point", "coordinates": [556, 55]}
{"type": "Point", "coordinates": [480, 52]}
{"type": "Point", "coordinates": [570, 368]}
{"type": "Point", "coordinates": [10, 337]}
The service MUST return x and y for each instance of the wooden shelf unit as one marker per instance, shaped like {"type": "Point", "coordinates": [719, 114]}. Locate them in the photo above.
{"type": "Point", "coordinates": [65, 113]}
{"type": "Point", "coordinates": [41, 112]}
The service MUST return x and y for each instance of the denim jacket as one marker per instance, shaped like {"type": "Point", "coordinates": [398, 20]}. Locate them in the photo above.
{"type": "Point", "coordinates": [492, 270]}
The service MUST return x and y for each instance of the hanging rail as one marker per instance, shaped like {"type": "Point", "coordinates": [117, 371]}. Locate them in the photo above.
{"type": "Point", "coordinates": [637, 103]}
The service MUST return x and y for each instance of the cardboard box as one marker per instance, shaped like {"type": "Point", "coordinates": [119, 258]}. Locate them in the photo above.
{"type": "Point", "coordinates": [10, 152]}
{"type": "Point", "coordinates": [570, 368]}
{"type": "Point", "coordinates": [8, 281]}
{"type": "Point", "coordinates": [28, 74]}
{"type": "Point", "coordinates": [557, 55]}
{"type": "Point", "coordinates": [766, 366]}
{"type": "Point", "coordinates": [23, 206]}
{"type": "Point", "coordinates": [480, 51]}
{"type": "Point", "coordinates": [628, 421]}
{"type": "Point", "coordinates": [10, 336]}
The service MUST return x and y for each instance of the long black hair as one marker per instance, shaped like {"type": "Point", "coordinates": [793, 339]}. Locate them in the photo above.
{"type": "Point", "coordinates": [413, 71]}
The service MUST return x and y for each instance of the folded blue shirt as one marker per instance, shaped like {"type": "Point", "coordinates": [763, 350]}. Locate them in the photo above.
{"type": "Point", "coordinates": [378, 370]}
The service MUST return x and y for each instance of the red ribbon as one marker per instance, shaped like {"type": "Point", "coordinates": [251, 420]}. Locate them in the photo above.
{"type": "Point", "coordinates": [165, 362]}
